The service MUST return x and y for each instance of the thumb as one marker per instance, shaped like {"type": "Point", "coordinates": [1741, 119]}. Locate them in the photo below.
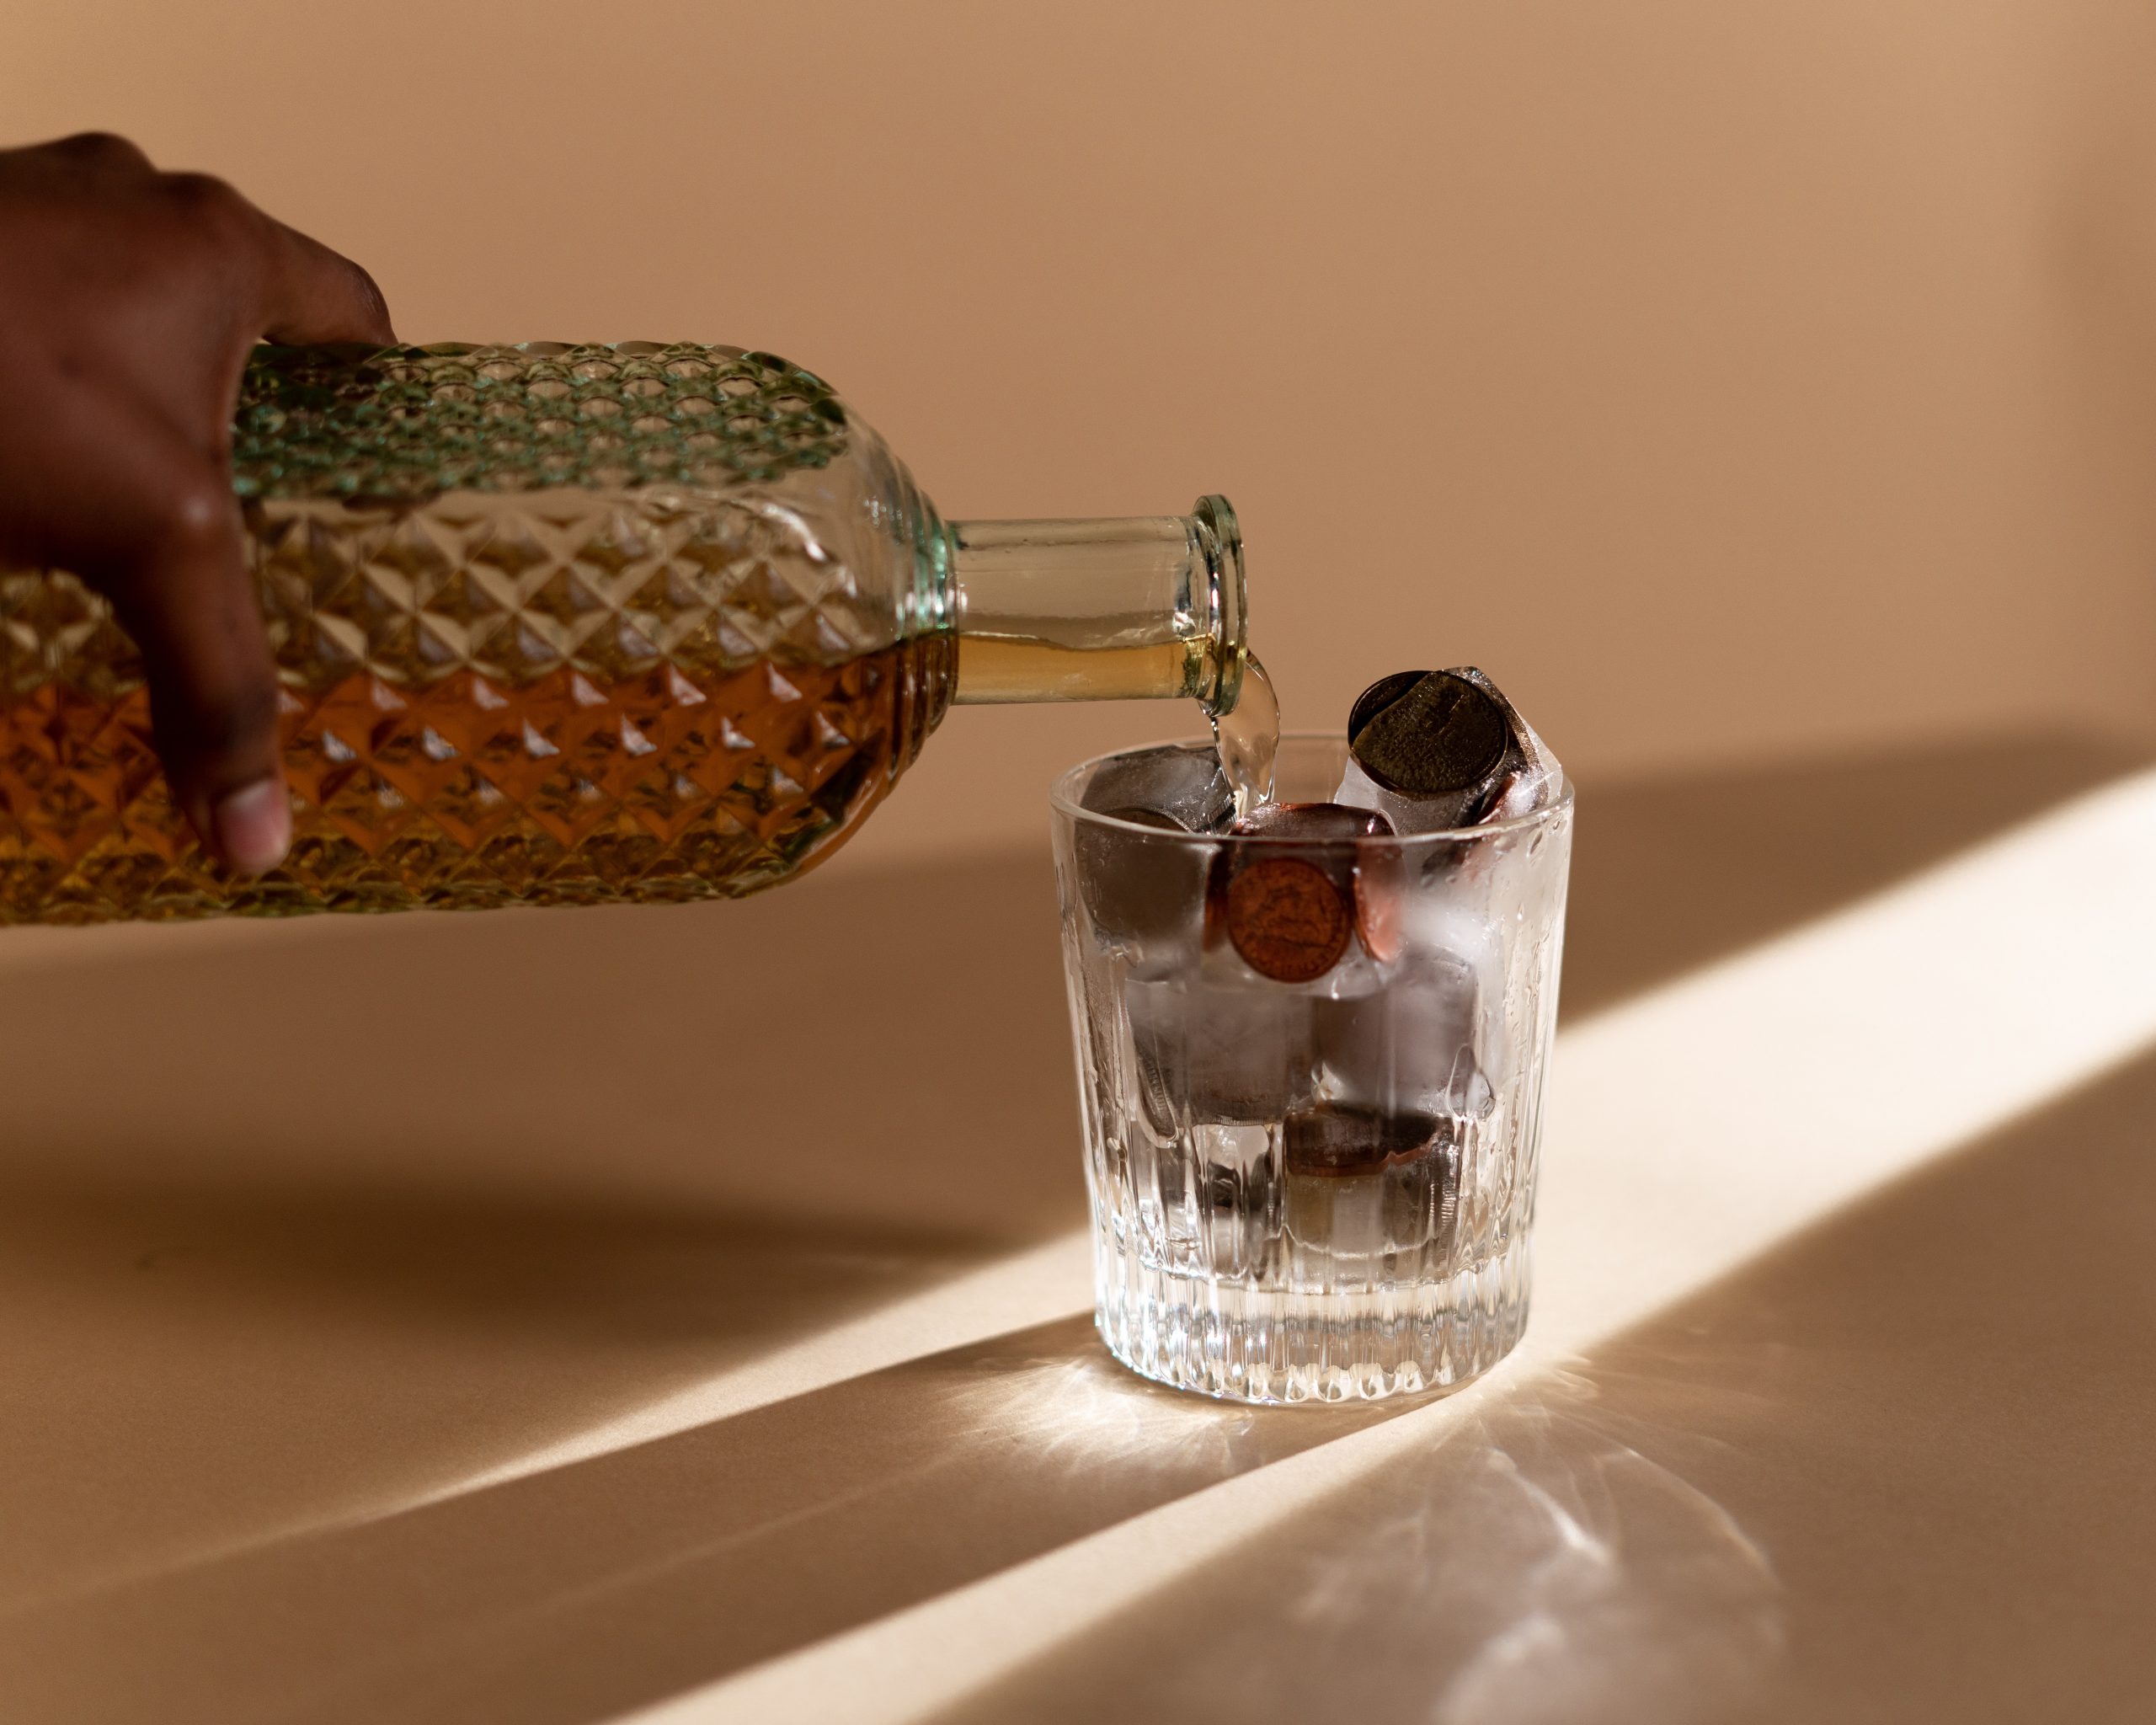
{"type": "Point", "coordinates": [179, 581]}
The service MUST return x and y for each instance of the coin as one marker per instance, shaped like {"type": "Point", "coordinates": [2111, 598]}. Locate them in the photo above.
{"type": "Point", "coordinates": [1439, 734]}
{"type": "Point", "coordinates": [1287, 918]}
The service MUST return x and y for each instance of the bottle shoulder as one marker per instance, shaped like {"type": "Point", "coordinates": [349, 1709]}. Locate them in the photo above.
{"type": "Point", "coordinates": [408, 424]}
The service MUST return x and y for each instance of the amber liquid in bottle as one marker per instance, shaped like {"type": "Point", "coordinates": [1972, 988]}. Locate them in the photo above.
{"type": "Point", "coordinates": [670, 785]}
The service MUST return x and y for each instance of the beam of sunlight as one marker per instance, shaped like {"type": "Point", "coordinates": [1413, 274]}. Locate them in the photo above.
{"type": "Point", "coordinates": [1687, 1130]}
{"type": "Point", "coordinates": [1032, 1287]}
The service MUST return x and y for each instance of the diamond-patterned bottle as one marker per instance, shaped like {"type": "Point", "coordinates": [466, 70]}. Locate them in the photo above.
{"type": "Point", "coordinates": [573, 624]}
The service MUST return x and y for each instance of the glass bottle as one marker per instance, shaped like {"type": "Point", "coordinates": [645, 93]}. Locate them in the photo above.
{"type": "Point", "coordinates": [579, 624]}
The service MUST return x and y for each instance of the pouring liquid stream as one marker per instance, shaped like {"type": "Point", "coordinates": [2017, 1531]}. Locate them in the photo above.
{"type": "Point", "coordinates": [1249, 737]}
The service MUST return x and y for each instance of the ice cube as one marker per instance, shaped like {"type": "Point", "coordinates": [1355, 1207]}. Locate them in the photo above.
{"type": "Point", "coordinates": [1146, 893]}
{"type": "Point", "coordinates": [1427, 749]}
{"type": "Point", "coordinates": [1218, 1054]}
{"type": "Point", "coordinates": [1422, 1205]}
{"type": "Point", "coordinates": [1290, 909]}
{"type": "Point", "coordinates": [1143, 882]}
{"type": "Point", "coordinates": [1361, 1184]}
{"type": "Point", "coordinates": [1443, 748]}
{"type": "Point", "coordinates": [1179, 780]}
{"type": "Point", "coordinates": [1532, 775]}
{"type": "Point", "coordinates": [1409, 1049]}
{"type": "Point", "coordinates": [1239, 1179]}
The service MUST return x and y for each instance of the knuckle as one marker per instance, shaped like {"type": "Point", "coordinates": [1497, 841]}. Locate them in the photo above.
{"type": "Point", "coordinates": [102, 149]}
{"type": "Point", "coordinates": [190, 512]}
{"type": "Point", "coordinates": [208, 204]}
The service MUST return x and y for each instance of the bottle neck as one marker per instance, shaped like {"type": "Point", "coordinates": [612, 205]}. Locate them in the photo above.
{"type": "Point", "coordinates": [1145, 607]}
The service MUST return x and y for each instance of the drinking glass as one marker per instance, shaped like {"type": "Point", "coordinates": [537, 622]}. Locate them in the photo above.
{"type": "Point", "coordinates": [1310, 1144]}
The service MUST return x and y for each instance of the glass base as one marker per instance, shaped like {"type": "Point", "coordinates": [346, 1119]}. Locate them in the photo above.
{"type": "Point", "coordinates": [1277, 1347]}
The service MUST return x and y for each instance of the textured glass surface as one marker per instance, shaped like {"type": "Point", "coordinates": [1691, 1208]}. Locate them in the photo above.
{"type": "Point", "coordinates": [1320, 1189]}
{"type": "Point", "coordinates": [410, 422]}
{"type": "Point", "coordinates": [553, 625]}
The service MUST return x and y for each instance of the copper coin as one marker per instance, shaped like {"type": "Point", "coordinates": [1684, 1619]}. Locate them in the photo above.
{"type": "Point", "coordinates": [1335, 1141]}
{"type": "Point", "coordinates": [1380, 890]}
{"type": "Point", "coordinates": [1286, 919]}
{"type": "Point", "coordinates": [1373, 876]}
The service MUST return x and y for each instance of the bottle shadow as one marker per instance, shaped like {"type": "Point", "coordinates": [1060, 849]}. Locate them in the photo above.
{"type": "Point", "coordinates": [300, 1223]}
{"type": "Point", "coordinates": [576, 1592]}
{"type": "Point", "coordinates": [224, 1363]}
{"type": "Point", "coordinates": [304, 1228]}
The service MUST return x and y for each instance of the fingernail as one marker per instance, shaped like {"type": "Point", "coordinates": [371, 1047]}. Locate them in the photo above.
{"type": "Point", "coordinates": [253, 825]}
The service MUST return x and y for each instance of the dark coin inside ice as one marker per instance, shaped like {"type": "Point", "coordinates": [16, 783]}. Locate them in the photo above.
{"type": "Point", "coordinates": [1378, 696]}
{"type": "Point", "coordinates": [1139, 888]}
{"type": "Point", "coordinates": [1436, 735]}
{"type": "Point", "coordinates": [1320, 822]}
{"type": "Point", "coordinates": [1185, 785]}
{"type": "Point", "coordinates": [1335, 1141]}
{"type": "Point", "coordinates": [1144, 892]}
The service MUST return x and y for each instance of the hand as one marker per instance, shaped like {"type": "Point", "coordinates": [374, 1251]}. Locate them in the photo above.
{"type": "Point", "coordinates": [129, 301]}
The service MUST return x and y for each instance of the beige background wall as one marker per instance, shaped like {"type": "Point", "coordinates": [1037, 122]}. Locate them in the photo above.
{"type": "Point", "coordinates": [1730, 380]}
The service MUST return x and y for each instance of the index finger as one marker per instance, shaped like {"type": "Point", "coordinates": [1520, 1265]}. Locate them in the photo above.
{"type": "Point", "coordinates": [313, 294]}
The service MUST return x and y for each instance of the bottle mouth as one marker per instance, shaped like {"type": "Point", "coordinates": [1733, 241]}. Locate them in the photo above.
{"type": "Point", "coordinates": [1136, 608]}
{"type": "Point", "coordinates": [1221, 544]}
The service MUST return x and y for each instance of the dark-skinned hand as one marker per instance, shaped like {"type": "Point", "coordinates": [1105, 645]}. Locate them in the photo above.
{"type": "Point", "coordinates": [129, 301]}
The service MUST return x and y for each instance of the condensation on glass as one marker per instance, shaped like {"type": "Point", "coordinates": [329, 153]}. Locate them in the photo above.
{"type": "Point", "coordinates": [574, 624]}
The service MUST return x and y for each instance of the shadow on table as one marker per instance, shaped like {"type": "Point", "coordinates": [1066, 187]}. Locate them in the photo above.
{"type": "Point", "coordinates": [297, 1225]}
{"type": "Point", "coordinates": [301, 1223]}
{"type": "Point", "coordinates": [1672, 873]}
{"type": "Point", "coordinates": [1897, 1470]}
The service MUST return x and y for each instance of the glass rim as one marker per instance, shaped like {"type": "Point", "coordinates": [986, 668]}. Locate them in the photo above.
{"type": "Point", "coordinates": [1064, 803]}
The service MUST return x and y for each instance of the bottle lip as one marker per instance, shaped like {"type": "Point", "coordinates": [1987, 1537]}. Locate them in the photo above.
{"type": "Point", "coordinates": [1066, 790]}
{"type": "Point", "coordinates": [1220, 541]}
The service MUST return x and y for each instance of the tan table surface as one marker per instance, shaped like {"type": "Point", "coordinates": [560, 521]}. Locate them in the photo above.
{"type": "Point", "coordinates": [552, 1317]}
